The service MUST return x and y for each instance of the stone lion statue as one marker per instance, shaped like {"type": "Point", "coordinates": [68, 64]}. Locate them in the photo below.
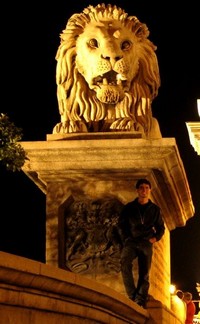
{"type": "Point", "coordinates": [107, 74]}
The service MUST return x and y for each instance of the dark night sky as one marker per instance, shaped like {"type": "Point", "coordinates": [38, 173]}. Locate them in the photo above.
{"type": "Point", "coordinates": [29, 41]}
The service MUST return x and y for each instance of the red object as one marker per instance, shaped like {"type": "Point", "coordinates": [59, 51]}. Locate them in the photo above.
{"type": "Point", "coordinates": [190, 312]}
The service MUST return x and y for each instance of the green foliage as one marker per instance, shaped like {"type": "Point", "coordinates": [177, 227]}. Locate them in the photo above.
{"type": "Point", "coordinates": [12, 154]}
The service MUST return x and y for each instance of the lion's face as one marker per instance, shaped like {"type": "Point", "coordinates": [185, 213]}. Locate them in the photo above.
{"type": "Point", "coordinates": [107, 72]}
{"type": "Point", "coordinates": [107, 58]}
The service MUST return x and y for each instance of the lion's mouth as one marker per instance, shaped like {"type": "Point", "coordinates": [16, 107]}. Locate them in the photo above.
{"type": "Point", "coordinates": [110, 78]}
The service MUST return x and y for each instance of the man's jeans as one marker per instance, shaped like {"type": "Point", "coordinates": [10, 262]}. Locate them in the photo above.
{"type": "Point", "coordinates": [143, 251]}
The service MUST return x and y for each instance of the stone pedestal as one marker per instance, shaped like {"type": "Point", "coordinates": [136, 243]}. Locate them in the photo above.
{"type": "Point", "coordinates": [92, 175]}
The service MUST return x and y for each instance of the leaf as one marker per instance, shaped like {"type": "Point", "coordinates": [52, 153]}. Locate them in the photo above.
{"type": "Point", "coordinates": [12, 154]}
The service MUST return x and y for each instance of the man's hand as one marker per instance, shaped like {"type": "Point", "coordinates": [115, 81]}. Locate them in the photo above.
{"type": "Point", "coordinates": [152, 240]}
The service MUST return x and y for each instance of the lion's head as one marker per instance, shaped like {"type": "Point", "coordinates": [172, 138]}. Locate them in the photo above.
{"type": "Point", "coordinates": [107, 73]}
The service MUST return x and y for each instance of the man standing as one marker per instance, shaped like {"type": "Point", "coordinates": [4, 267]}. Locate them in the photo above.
{"type": "Point", "coordinates": [140, 226]}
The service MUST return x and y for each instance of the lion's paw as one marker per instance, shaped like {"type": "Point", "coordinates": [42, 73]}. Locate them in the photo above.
{"type": "Point", "coordinates": [70, 127]}
{"type": "Point", "coordinates": [123, 124]}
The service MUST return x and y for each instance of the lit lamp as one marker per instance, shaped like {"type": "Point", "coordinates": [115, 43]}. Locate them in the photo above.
{"type": "Point", "coordinates": [194, 131]}
{"type": "Point", "coordinates": [172, 289]}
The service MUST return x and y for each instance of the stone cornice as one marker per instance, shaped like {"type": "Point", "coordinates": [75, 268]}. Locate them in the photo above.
{"type": "Point", "coordinates": [121, 161]}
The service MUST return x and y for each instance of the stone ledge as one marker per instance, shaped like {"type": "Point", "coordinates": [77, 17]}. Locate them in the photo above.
{"type": "Point", "coordinates": [34, 286]}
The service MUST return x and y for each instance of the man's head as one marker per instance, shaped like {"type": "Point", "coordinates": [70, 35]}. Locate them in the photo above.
{"type": "Point", "coordinates": [187, 297]}
{"type": "Point", "coordinates": [142, 181]}
{"type": "Point", "coordinates": [180, 294]}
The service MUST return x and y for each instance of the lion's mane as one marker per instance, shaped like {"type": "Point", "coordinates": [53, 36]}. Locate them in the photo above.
{"type": "Point", "coordinates": [79, 107]}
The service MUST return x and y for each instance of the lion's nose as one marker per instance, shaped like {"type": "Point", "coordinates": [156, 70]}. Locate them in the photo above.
{"type": "Point", "coordinates": [112, 59]}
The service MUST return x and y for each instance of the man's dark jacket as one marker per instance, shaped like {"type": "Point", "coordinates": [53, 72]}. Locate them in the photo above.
{"type": "Point", "coordinates": [137, 226]}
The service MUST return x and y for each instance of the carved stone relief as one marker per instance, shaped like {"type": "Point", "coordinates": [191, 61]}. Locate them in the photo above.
{"type": "Point", "coordinates": [92, 242]}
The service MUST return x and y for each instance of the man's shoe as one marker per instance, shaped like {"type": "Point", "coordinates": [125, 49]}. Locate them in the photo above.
{"type": "Point", "coordinates": [141, 303]}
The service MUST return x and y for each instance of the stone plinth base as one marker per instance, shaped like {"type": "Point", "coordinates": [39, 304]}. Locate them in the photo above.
{"type": "Point", "coordinates": [89, 175]}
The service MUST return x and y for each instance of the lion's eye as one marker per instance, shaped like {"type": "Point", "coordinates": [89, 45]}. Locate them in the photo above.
{"type": "Point", "coordinates": [93, 43]}
{"type": "Point", "coordinates": [126, 45]}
